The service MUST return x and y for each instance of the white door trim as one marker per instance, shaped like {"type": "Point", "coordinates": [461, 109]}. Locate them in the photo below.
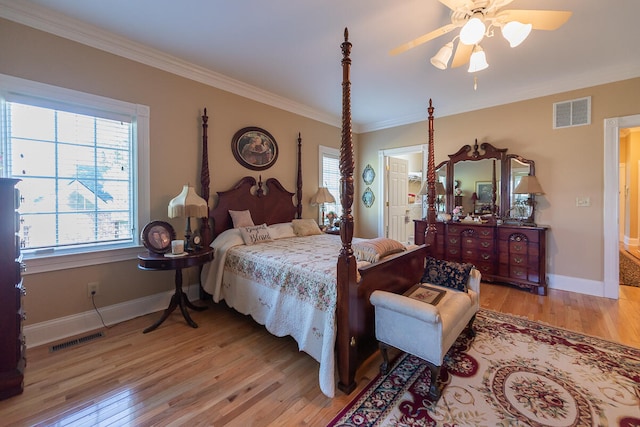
{"type": "Point", "coordinates": [611, 200]}
{"type": "Point", "coordinates": [382, 184]}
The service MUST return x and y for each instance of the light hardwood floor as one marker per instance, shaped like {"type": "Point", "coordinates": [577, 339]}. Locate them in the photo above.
{"type": "Point", "coordinates": [231, 372]}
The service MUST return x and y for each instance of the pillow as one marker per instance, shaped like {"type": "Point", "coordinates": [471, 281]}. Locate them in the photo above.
{"type": "Point", "coordinates": [241, 219]}
{"type": "Point", "coordinates": [450, 274]}
{"type": "Point", "coordinates": [372, 250]}
{"type": "Point", "coordinates": [282, 230]}
{"type": "Point", "coordinates": [255, 234]}
{"type": "Point", "coordinates": [305, 227]}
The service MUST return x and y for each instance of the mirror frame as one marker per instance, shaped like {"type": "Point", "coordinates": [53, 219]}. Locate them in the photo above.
{"type": "Point", "coordinates": [481, 152]}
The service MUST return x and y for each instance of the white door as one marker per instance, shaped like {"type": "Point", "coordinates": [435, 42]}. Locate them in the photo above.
{"type": "Point", "coordinates": [398, 205]}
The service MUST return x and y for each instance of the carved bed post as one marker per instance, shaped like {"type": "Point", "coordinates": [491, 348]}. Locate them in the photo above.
{"type": "Point", "coordinates": [205, 228]}
{"type": "Point", "coordinates": [346, 274]}
{"type": "Point", "coordinates": [299, 181]}
{"type": "Point", "coordinates": [430, 233]}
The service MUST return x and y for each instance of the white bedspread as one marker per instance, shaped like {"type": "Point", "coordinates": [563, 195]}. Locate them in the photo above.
{"type": "Point", "coordinates": [288, 285]}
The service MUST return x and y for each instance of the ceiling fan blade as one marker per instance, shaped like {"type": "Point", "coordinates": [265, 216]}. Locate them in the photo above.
{"type": "Point", "coordinates": [423, 39]}
{"type": "Point", "coordinates": [458, 4]}
{"type": "Point", "coordinates": [539, 19]}
{"type": "Point", "coordinates": [462, 55]}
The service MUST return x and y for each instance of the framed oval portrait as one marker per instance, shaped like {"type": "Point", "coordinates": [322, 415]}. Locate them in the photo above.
{"type": "Point", "coordinates": [157, 236]}
{"type": "Point", "coordinates": [254, 148]}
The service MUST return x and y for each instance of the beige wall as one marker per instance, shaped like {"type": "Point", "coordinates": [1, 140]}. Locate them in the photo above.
{"type": "Point", "coordinates": [176, 105]}
{"type": "Point", "coordinates": [569, 163]}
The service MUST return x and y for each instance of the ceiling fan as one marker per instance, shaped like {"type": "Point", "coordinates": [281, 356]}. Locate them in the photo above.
{"type": "Point", "coordinates": [478, 19]}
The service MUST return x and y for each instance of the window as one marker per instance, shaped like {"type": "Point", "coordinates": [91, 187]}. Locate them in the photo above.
{"type": "Point", "coordinates": [82, 161]}
{"type": "Point", "coordinates": [330, 177]}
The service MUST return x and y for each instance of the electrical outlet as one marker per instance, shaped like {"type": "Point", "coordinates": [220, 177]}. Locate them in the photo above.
{"type": "Point", "coordinates": [92, 289]}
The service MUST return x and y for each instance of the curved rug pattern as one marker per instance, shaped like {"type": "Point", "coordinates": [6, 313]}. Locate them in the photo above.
{"type": "Point", "coordinates": [514, 373]}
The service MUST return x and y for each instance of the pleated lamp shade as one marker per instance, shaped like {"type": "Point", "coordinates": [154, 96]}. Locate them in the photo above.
{"type": "Point", "coordinates": [187, 204]}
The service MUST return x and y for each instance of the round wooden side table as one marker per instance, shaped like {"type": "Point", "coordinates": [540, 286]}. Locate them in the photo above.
{"type": "Point", "coordinates": [158, 262]}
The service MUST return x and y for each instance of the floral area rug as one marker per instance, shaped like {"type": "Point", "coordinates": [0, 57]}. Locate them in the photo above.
{"type": "Point", "coordinates": [514, 373]}
{"type": "Point", "coordinates": [629, 269]}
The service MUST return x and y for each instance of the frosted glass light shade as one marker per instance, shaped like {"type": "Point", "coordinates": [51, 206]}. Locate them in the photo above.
{"type": "Point", "coordinates": [478, 61]}
{"type": "Point", "coordinates": [441, 59]}
{"type": "Point", "coordinates": [187, 204]}
{"type": "Point", "coordinates": [473, 31]}
{"type": "Point", "coordinates": [516, 32]}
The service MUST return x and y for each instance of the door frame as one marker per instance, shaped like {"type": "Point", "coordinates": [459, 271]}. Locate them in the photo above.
{"type": "Point", "coordinates": [382, 187]}
{"type": "Point", "coordinates": [611, 201]}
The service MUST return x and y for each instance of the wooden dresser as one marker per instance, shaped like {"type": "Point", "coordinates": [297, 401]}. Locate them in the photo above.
{"type": "Point", "coordinates": [12, 344]}
{"type": "Point", "coordinates": [503, 253]}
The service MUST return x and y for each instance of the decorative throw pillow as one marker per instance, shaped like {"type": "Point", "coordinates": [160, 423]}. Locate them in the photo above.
{"type": "Point", "coordinates": [451, 274]}
{"type": "Point", "coordinates": [241, 219]}
{"type": "Point", "coordinates": [373, 249]}
{"type": "Point", "coordinates": [305, 227]}
{"type": "Point", "coordinates": [282, 230]}
{"type": "Point", "coordinates": [255, 234]}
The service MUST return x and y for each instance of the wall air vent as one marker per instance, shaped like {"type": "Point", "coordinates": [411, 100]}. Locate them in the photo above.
{"type": "Point", "coordinates": [576, 112]}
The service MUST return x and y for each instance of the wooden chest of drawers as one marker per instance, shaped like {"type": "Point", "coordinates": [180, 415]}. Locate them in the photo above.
{"type": "Point", "coordinates": [12, 344]}
{"type": "Point", "coordinates": [503, 253]}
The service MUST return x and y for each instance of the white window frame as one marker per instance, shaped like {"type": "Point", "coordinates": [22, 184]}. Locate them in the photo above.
{"type": "Point", "coordinates": [332, 152]}
{"type": "Point", "coordinates": [13, 88]}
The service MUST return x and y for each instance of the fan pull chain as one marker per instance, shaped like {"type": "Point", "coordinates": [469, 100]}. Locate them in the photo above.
{"type": "Point", "coordinates": [475, 82]}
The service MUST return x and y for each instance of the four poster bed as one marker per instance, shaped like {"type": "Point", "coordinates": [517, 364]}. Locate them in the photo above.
{"type": "Point", "coordinates": [290, 283]}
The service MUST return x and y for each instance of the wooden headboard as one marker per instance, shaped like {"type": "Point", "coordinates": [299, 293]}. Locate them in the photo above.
{"type": "Point", "coordinates": [273, 206]}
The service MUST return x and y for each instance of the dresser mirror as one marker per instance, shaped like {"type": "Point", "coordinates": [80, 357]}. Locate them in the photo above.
{"type": "Point", "coordinates": [481, 178]}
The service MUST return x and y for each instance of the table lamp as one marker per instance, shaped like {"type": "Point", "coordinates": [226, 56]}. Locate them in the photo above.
{"type": "Point", "coordinates": [188, 204]}
{"type": "Point", "coordinates": [440, 191]}
{"type": "Point", "coordinates": [529, 185]}
{"type": "Point", "coordinates": [321, 197]}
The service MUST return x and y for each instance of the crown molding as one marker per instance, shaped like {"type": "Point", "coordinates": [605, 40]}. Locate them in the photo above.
{"type": "Point", "coordinates": [60, 25]}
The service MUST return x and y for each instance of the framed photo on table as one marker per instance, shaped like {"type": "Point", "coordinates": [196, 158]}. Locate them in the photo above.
{"type": "Point", "coordinates": [254, 148]}
{"type": "Point", "coordinates": [157, 236]}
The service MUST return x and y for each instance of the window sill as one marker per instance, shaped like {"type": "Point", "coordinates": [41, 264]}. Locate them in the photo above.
{"type": "Point", "coordinates": [53, 262]}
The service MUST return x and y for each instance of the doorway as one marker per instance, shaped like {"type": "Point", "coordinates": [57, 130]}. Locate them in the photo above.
{"type": "Point", "coordinates": [416, 158]}
{"type": "Point", "coordinates": [611, 199]}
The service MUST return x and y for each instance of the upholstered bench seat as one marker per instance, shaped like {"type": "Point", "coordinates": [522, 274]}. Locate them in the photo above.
{"type": "Point", "coordinates": [423, 329]}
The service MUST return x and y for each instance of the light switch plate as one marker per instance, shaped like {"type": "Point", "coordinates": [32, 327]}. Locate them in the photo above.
{"type": "Point", "coordinates": [583, 201]}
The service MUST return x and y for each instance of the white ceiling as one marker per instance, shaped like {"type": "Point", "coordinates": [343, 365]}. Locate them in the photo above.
{"type": "Point", "coordinates": [287, 52]}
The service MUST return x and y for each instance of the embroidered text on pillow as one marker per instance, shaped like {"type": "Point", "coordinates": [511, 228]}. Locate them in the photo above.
{"type": "Point", "coordinates": [255, 234]}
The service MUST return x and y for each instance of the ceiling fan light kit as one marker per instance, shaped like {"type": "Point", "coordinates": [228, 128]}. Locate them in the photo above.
{"type": "Point", "coordinates": [477, 19]}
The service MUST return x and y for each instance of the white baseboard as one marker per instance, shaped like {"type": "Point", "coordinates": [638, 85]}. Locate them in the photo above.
{"type": "Point", "coordinates": [76, 324]}
{"type": "Point", "coordinates": [576, 284]}
{"type": "Point", "coordinates": [57, 329]}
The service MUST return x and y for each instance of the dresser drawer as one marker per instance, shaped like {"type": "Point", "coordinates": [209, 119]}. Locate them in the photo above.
{"type": "Point", "coordinates": [474, 242]}
{"type": "Point", "coordinates": [485, 268]}
{"type": "Point", "coordinates": [519, 234]}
